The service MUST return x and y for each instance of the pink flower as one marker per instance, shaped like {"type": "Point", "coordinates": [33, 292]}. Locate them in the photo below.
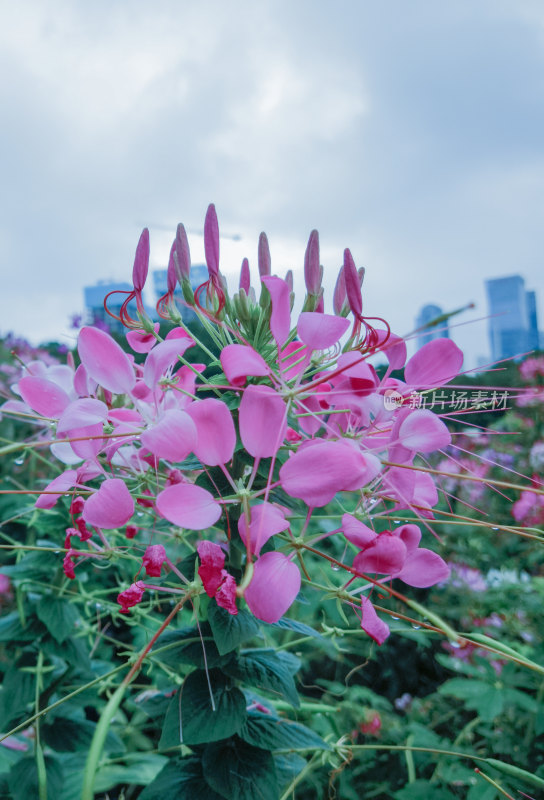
{"type": "Point", "coordinates": [154, 558]}
{"type": "Point", "coordinates": [216, 580]}
{"type": "Point", "coordinates": [131, 596]}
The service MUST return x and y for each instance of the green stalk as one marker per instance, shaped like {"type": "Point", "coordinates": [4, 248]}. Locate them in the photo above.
{"type": "Point", "coordinates": [112, 706]}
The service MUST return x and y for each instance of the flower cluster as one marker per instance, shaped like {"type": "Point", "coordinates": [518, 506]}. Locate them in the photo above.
{"type": "Point", "coordinates": [235, 455]}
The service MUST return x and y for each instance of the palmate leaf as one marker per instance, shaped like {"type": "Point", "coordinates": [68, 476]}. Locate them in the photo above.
{"type": "Point", "coordinates": [188, 647]}
{"type": "Point", "coordinates": [23, 778]}
{"type": "Point", "coordinates": [58, 615]}
{"type": "Point", "coordinates": [273, 733]}
{"type": "Point", "coordinates": [180, 779]}
{"type": "Point", "coordinates": [230, 630]}
{"type": "Point", "coordinates": [266, 669]}
{"type": "Point", "coordinates": [239, 771]}
{"type": "Point", "coordinates": [199, 722]}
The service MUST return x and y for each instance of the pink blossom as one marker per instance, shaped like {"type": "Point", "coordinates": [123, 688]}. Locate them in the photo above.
{"type": "Point", "coordinates": [188, 506]}
{"type": "Point", "coordinates": [154, 558]}
{"type": "Point", "coordinates": [111, 506]}
{"type": "Point", "coordinates": [263, 421]}
{"type": "Point", "coordinates": [274, 586]}
{"type": "Point", "coordinates": [212, 561]}
{"type": "Point", "coordinates": [266, 520]}
{"type": "Point", "coordinates": [131, 596]}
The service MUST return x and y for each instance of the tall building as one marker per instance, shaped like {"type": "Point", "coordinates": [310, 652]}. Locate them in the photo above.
{"type": "Point", "coordinates": [199, 275]}
{"type": "Point", "coordinates": [427, 314]}
{"type": "Point", "coordinates": [513, 323]}
{"type": "Point", "coordinates": [534, 335]}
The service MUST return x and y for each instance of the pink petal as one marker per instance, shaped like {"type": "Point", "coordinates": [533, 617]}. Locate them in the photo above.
{"type": "Point", "coordinates": [87, 448]}
{"type": "Point", "coordinates": [162, 357]}
{"type": "Point", "coordinates": [81, 414]}
{"type": "Point", "coordinates": [226, 594]}
{"type": "Point", "coordinates": [212, 561]}
{"type": "Point", "coordinates": [360, 374]}
{"type": "Point", "coordinates": [211, 240]}
{"type": "Point", "coordinates": [423, 568]}
{"type": "Point", "coordinates": [347, 469]}
{"type": "Point", "coordinates": [62, 483]}
{"type": "Point", "coordinates": [293, 359]}
{"type": "Point", "coordinates": [105, 361]}
{"type": "Point", "coordinates": [280, 319]}
{"type": "Point", "coordinates": [43, 396]}
{"type": "Point", "coordinates": [239, 361]}
{"type": "Point", "coordinates": [153, 559]}
{"type": "Point", "coordinates": [141, 262]}
{"type": "Point", "coordinates": [173, 437]}
{"type": "Point", "coordinates": [141, 341]}
{"type": "Point", "coordinates": [274, 586]}
{"type": "Point", "coordinates": [216, 436]}
{"type": "Point", "coordinates": [131, 596]}
{"type": "Point", "coordinates": [110, 507]}
{"type": "Point", "coordinates": [188, 506]}
{"type": "Point", "coordinates": [434, 364]}
{"type": "Point", "coordinates": [385, 555]}
{"type": "Point", "coordinates": [372, 624]}
{"type": "Point", "coordinates": [266, 520]}
{"type": "Point", "coordinates": [394, 349]}
{"type": "Point", "coordinates": [410, 535]}
{"type": "Point", "coordinates": [424, 432]}
{"type": "Point", "coordinates": [263, 421]}
{"type": "Point", "coordinates": [357, 532]}
{"type": "Point", "coordinates": [321, 331]}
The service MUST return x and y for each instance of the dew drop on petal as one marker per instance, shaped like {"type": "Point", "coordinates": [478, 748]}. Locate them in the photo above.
{"type": "Point", "coordinates": [416, 627]}
{"type": "Point", "coordinates": [395, 618]}
{"type": "Point", "coordinates": [455, 645]}
{"type": "Point", "coordinates": [19, 461]}
{"type": "Point", "coordinates": [335, 567]}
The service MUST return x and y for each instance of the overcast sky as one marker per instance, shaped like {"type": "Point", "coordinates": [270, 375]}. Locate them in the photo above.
{"type": "Point", "coordinates": [411, 131]}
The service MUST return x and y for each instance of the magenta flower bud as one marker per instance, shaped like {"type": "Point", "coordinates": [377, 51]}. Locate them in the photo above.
{"type": "Point", "coordinates": [182, 255]}
{"type": "Point", "coordinates": [245, 280]}
{"type": "Point", "coordinates": [141, 262]}
{"type": "Point", "coordinates": [312, 272]}
{"type": "Point", "coordinates": [211, 240]}
{"type": "Point", "coordinates": [131, 596]}
{"type": "Point", "coordinates": [171, 275]}
{"type": "Point", "coordinates": [289, 279]}
{"type": "Point", "coordinates": [264, 256]}
{"type": "Point", "coordinates": [131, 531]}
{"type": "Point", "coordinates": [340, 295]}
{"type": "Point", "coordinates": [154, 558]}
{"type": "Point", "coordinates": [77, 505]}
{"type": "Point", "coordinates": [353, 289]}
{"type": "Point", "coordinates": [212, 561]}
{"type": "Point", "coordinates": [68, 566]}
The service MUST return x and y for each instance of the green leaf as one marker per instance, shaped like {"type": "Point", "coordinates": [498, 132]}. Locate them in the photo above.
{"type": "Point", "coordinates": [58, 615]}
{"type": "Point", "coordinates": [482, 791]}
{"type": "Point", "coordinates": [11, 629]}
{"type": "Point", "coordinates": [240, 771]}
{"type": "Point", "coordinates": [421, 790]}
{"type": "Point", "coordinates": [200, 723]}
{"type": "Point", "coordinates": [488, 701]}
{"type": "Point", "coordinates": [189, 648]}
{"type": "Point", "coordinates": [69, 735]}
{"type": "Point", "coordinates": [16, 696]}
{"type": "Point", "coordinates": [266, 669]}
{"type": "Point", "coordinates": [230, 630]}
{"type": "Point", "coordinates": [273, 733]}
{"type": "Point", "coordinates": [23, 778]}
{"type": "Point", "coordinates": [142, 772]}
{"type": "Point", "coordinates": [181, 779]}
{"type": "Point", "coordinates": [288, 766]}
{"type": "Point", "coordinates": [72, 651]}
{"type": "Point", "coordinates": [298, 627]}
